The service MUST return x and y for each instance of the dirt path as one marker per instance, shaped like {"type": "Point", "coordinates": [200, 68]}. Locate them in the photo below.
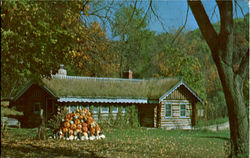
{"type": "Point", "coordinates": [218, 127]}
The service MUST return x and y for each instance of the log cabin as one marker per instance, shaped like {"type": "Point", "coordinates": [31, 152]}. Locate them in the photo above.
{"type": "Point", "coordinates": [161, 103]}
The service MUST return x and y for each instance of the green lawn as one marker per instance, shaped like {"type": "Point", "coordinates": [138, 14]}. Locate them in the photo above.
{"type": "Point", "coordinates": [120, 143]}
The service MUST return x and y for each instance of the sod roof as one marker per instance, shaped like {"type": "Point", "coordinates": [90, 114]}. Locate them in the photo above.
{"type": "Point", "coordinates": [93, 87]}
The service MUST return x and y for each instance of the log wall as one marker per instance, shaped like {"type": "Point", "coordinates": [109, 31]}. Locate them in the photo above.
{"type": "Point", "coordinates": [180, 96]}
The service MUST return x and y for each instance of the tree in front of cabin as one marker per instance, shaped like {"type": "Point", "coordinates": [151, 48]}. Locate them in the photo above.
{"type": "Point", "coordinates": [37, 36]}
{"type": "Point", "coordinates": [232, 67]}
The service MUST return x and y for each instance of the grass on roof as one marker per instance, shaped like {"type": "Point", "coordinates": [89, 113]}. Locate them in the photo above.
{"type": "Point", "coordinates": [151, 89]}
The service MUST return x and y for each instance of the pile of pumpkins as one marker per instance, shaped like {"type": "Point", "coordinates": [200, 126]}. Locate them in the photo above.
{"type": "Point", "coordinates": [79, 125]}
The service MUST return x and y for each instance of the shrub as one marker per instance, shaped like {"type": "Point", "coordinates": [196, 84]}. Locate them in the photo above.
{"type": "Point", "coordinates": [99, 116]}
{"type": "Point", "coordinates": [133, 118]}
{"type": "Point", "coordinates": [91, 108]}
{"type": "Point", "coordinates": [55, 121]}
{"type": "Point", "coordinates": [118, 120]}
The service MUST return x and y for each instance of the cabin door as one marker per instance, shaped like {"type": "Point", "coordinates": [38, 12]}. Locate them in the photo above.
{"type": "Point", "coordinates": [146, 115]}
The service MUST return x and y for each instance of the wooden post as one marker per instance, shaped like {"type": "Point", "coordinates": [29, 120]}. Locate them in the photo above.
{"type": "Point", "coordinates": [155, 116]}
{"type": "Point", "coordinates": [194, 115]}
{"type": "Point", "coordinates": [42, 128]}
{"type": "Point", "coordinates": [159, 115]}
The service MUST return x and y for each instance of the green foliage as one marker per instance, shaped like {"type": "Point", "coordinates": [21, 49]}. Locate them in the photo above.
{"type": "Point", "coordinates": [91, 108]}
{"type": "Point", "coordinates": [56, 120]}
{"type": "Point", "coordinates": [45, 31]}
{"type": "Point", "coordinates": [10, 111]}
{"type": "Point", "coordinates": [133, 116]}
{"type": "Point", "coordinates": [110, 118]}
{"type": "Point", "coordinates": [99, 116]}
{"type": "Point", "coordinates": [119, 119]}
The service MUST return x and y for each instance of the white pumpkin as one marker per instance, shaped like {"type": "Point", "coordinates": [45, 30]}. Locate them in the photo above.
{"type": "Point", "coordinates": [86, 137]}
{"type": "Point", "coordinates": [71, 137]}
{"type": "Point", "coordinates": [82, 138]}
{"type": "Point", "coordinates": [91, 137]}
{"type": "Point", "coordinates": [102, 136]}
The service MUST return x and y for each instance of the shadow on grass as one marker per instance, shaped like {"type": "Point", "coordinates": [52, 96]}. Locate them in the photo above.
{"type": "Point", "coordinates": [30, 150]}
{"type": "Point", "coordinates": [215, 137]}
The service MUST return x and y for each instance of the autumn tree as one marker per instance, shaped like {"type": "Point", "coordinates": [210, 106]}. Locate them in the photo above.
{"type": "Point", "coordinates": [130, 26]}
{"type": "Point", "coordinates": [36, 37]}
{"type": "Point", "coordinates": [232, 67]}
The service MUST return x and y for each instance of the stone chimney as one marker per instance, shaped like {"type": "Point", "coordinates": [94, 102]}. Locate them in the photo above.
{"type": "Point", "coordinates": [128, 74]}
{"type": "Point", "coordinates": [62, 71]}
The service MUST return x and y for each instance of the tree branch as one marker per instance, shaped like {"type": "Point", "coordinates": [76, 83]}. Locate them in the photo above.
{"type": "Point", "coordinates": [131, 17]}
{"type": "Point", "coordinates": [204, 23]}
{"type": "Point", "coordinates": [145, 15]}
{"type": "Point", "coordinates": [237, 4]}
{"type": "Point", "coordinates": [244, 65]}
{"type": "Point", "coordinates": [226, 30]}
{"type": "Point", "coordinates": [157, 17]}
{"type": "Point", "coordinates": [180, 30]}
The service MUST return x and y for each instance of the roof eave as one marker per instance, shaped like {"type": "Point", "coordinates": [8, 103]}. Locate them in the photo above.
{"type": "Point", "coordinates": [177, 86]}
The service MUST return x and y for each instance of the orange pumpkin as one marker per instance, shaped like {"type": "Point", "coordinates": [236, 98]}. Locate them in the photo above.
{"type": "Point", "coordinates": [73, 126]}
{"type": "Point", "coordinates": [98, 128]}
{"type": "Point", "coordinates": [84, 124]}
{"type": "Point", "coordinates": [80, 117]}
{"type": "Point", "coordinates": [85, 109]}
{"type": "Point", "coordinates": [68, 116]}
{"type": "Point", "coordinates": [66, 124]}
{"type": "Point", "coordinates": [84, 129]}
{"type": "Point", "coordinates": [79, 126]}
{"type": "Point", "coordinates": [88, 114]}
{"type": "Point", "coordinates": [65, 130]}
{"type": "Point", "coordinates": [88, 121]}
{"type": "Point", "coordinates": [92, 131]}
{"type": "Point", "coordinates": [84, 117]}
{"type": "Point", "coordinates": [77, 121]}
{"type": "Point", "coordinates": [71, 132]}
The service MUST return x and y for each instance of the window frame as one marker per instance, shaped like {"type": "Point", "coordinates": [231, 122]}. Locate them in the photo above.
{"type": "Point", "coordinates": [96, 112]}
{"type": "Point", "coordinates": [185, 110]}
{"type": "Point", "coordinates": [171, 110]}
{"type": "Point", "coordinates": [102, 111]}
{"type": "Point", "coordinates": [34, 108]}
{"type": "Point", "coordinates": [116, 109]}
{"type": "Point", "coordinates": [123, 109]}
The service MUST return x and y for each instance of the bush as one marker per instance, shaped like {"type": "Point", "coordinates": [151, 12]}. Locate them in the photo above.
{"type": "Point", "coordinates": [119, 118]}
{"type": "Point", "coordinates": [55, 121]}
{"type": "Point", "coordinates": [99, 116]}
{"type": "Point", "coordinates": [122, 120]}
{"type": "Point", "coordinates": [133, 118]}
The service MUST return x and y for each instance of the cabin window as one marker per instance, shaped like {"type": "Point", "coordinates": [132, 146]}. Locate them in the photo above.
{"type": "Point", "coordinates": [95, 109]}
{"type": "Point", "coordinates": [104, 109]}
{"type": "Point", "coordinates": [37, 108]}
{"type": "Point", "coordinates": [182, 110]}
{"type": "Point", "coordinates": [73, 108]}
{"type": "Point", "coordinates": [168, 110]}
{"type": "Point", "coordinates": [115, 109]}
{"type": "Point", "coordinates": [124, 109]}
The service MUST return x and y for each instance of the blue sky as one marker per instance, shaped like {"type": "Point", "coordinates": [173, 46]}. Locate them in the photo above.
{"type": "Point", "coordinates": [173, 13]}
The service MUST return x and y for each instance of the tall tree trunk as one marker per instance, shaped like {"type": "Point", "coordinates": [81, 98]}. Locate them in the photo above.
{"type": "Point", "coordinates": [232, 76]}
{"type": "Point", "coordinates": [233, 89]}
